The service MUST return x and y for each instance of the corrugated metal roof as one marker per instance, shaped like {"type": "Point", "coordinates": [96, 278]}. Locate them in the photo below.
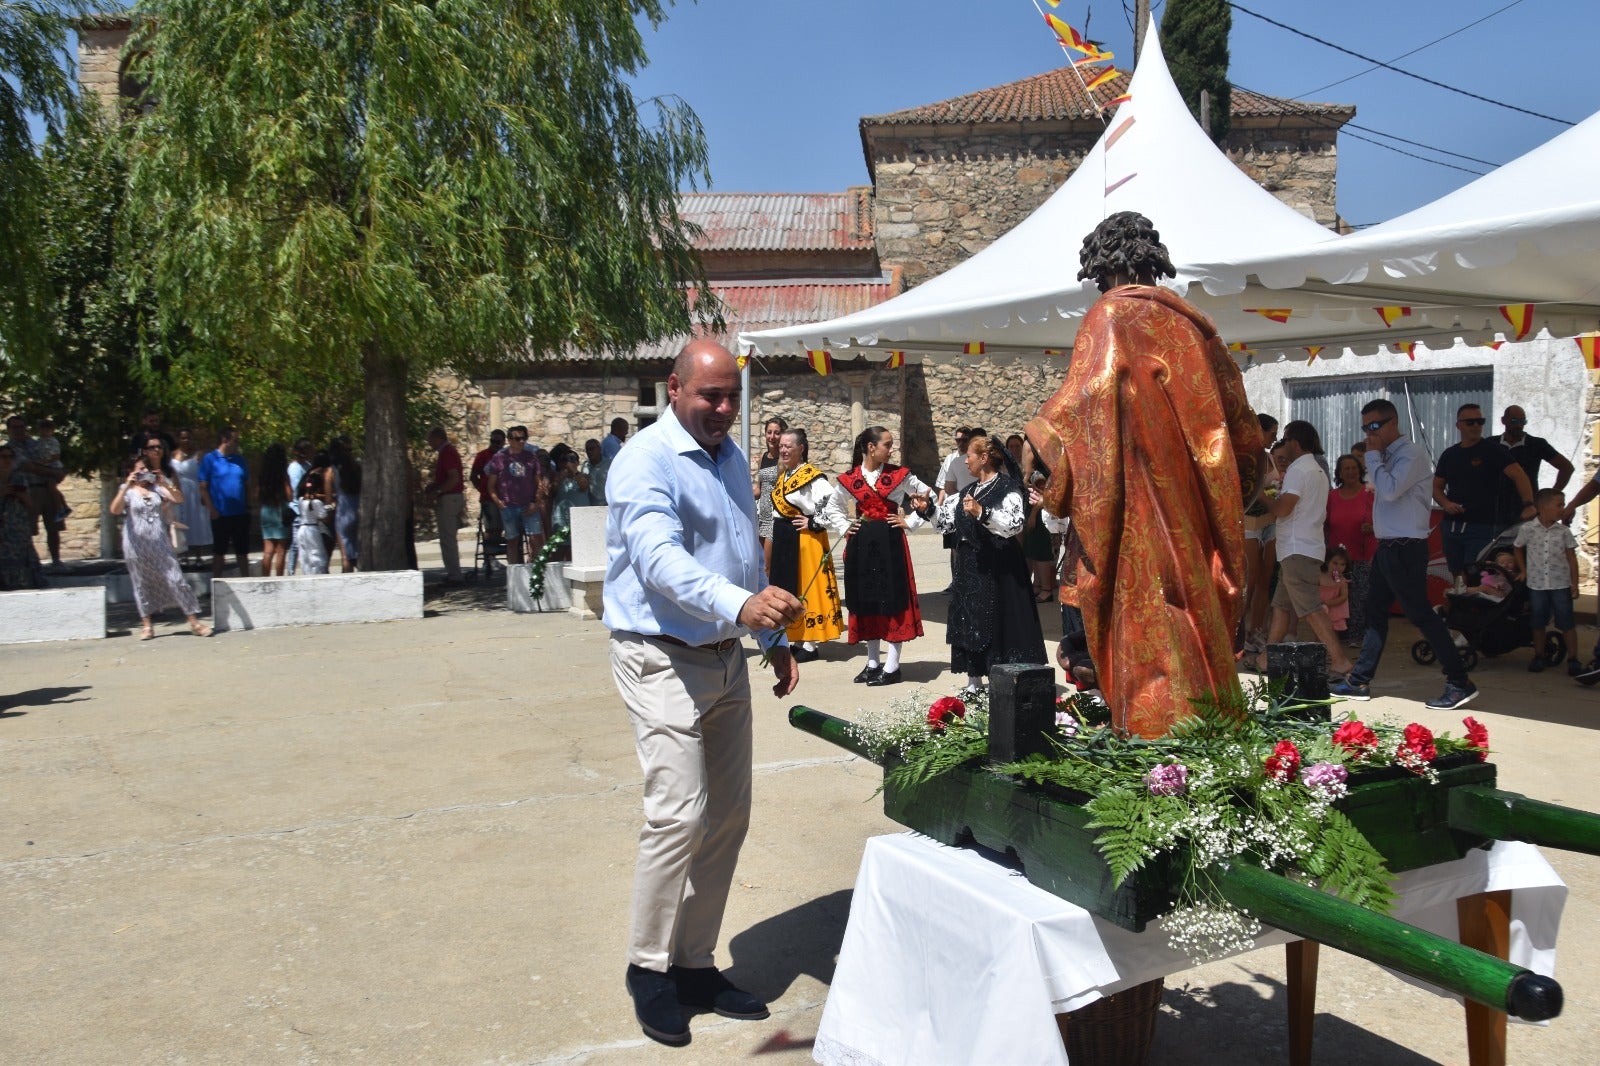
{"type": "Point", "coordinates": [781, 221]}
{"type": "Point", "coordinates": [749, 305]}
{"type": "Point", "coordinates": [1059, 95]}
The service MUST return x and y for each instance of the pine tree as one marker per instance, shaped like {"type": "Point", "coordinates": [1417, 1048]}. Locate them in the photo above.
{"type": "Point", "coordinates": [366, 192]}
{"type": "Point", "coordinates": [1194, 35]}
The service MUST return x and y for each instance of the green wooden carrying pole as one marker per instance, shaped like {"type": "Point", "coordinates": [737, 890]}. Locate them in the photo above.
{"type": "Point", "coordinates": [828, 728]}
{"type": "Point", "coordinates": [1509, 816]}
{"type": "Point", "coordinates": [1295, 908]}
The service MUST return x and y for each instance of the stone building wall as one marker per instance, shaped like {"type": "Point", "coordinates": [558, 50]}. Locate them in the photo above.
{"type": "Point", "coordinates": [1297, 165]}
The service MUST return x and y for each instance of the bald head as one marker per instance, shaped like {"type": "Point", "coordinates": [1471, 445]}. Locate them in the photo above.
{"type": "Point", "coordinates": [704, 390]}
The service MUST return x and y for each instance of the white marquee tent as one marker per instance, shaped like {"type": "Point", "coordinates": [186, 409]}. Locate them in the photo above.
{"type": "Point", "coordinates": [1273, 280]}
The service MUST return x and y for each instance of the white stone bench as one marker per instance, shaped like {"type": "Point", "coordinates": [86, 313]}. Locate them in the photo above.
{"type": "Point", "coordinates": [586, 574]}
{"type": "Point", "coordinates": [31, 615]}
{"type": "Point", "coordinates": [315, 599]}
{"type": "Point", "coordinates": [119, 586]}
{"type": "Point", "coordinates": [520, 599]}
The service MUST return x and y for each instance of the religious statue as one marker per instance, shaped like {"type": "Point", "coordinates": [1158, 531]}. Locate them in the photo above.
{"type": "Point", "coordinates": [1153, 452]}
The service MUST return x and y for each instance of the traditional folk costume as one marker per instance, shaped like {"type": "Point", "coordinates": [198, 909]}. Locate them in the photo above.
{"type": "Point", "coordinates": [1153, 450]}
{"type": "Point", "coordinates": [800, 561]}
{"type": "Point", "coordinates": [880, 588]}
{"type": "Point", "coordinates": [993, 616]}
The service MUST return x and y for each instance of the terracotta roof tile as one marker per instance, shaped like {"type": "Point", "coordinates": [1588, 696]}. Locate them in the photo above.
{"type": "Point", "coordinates": [781, 221]}
{"type": "Point", "coordinates": [1058, 95]}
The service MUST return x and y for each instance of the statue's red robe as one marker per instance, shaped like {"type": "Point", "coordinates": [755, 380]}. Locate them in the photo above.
{"type": "Point", "coordinates": [1153, 449]}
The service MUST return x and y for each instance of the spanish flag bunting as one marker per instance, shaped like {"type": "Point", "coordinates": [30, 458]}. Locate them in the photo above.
{"type": "Point", "coordinates": [1101, 78]}
{"type": "Point", "coordinates": [1390, 313]}
{"type": "Point", "coordinates": [1118, 101]}
{"type": "Point", "coordinates": [1312, 352]}
{"type": "Point", "coordinates": [1053, 3]}
{"type": "Point", "coordinates": [973, 348]}
{"type": "Point", "coordinates": [1521, 318]}
{"type": "Point", "coordinates": [1240, 346]}
{"type": "Point", "coordinates": [1276, 314]}
{"type": "Point", "coordinates": [1091, 60]}
{"type": "Point", "coordinates": [896, 360]}
{"type": "Point", "coordinates": [1494, 345]}
{"type": "Point", "coordinates": [1410, 348]}
{"type": "Point", "coordinates": [1589, 345]}
{"type": "Point", "coordinates": [820, 361]}
{"type": "Point", "coordinates": [1071, 38]}
{"type": "Point", "coordinates": [742, 360]}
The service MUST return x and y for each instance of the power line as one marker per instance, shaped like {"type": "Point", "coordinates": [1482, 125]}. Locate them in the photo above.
{"type": "Point", "coordinates": [1390, 66]}
{"type": "Point", "coordinates": [1419, 144]}
{"type": "Point", "coordinates": [1407, 55]}
{"type": "Point", "coordinates": [1413, 155]}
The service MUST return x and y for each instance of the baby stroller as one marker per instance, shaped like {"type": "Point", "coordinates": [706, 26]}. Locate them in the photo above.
{"type": "Point", "coordinates": [1487, 627]}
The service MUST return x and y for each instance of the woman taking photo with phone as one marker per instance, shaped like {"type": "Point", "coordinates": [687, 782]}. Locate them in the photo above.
{"type": "Point", "coordinates": [141, 502]}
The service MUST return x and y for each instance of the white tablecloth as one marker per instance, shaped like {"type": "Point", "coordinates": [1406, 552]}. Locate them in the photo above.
{"type": "Point", "coordinates": [951, 958]}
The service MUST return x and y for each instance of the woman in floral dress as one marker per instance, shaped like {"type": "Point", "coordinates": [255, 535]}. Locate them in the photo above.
{"type": "Point", "coordinates": [141, 501]}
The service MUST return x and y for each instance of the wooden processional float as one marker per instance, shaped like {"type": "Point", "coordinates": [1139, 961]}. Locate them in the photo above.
{"type": "Point", "coordinates": [1410, 821]}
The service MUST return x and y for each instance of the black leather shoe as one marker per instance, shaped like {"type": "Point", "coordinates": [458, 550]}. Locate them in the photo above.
{"type": "Point", "coordinates": [707, 989]}
{"type": "Point", "coordinates": [867, 674]}
{"type": "Point", "coordinates": [801, 655]}
{"type": "Point", "coordinates": [656, 1005]}
{"type": "Point", "coordinates": [884, 678]}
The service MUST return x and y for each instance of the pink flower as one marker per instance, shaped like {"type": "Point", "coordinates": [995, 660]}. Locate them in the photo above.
{"type": "Point", "coordinates": [943, 710]}
{"type": "Point", "coordinates": [1477, 737]}
{"type": "Point", "coordinates": [1357, 739]}
{"type": "Point", "coordinates": [1168, 780]}
{"type": "Point", "coordinates": [1328, 778]}
{"type": "Point", "coordinates": [1067, 723]}
{"type": "Point", "coordinates": [1284, 761]}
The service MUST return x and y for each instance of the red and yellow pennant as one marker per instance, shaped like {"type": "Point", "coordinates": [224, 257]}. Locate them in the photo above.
{"type": "Point", "coordinates": [1409, 347]}
{"type": "Point", "coordinates": [1312, 352]}
{"type": "Point", "coordinates": [1089, 61]}
{"type": "Point", "coordinates": [1521, 318]}
{"type": "Point", "coordinates": [896, 360]}
{"type": "Point", "coordinates": [1053, 3]}
{"type": "Point", "coordinates": [1055, 351]}
{"type": "Point", "coordinates": [820, 361]}
{"type": "Point", "coordinates": [1071, 38]}
{"type": "Point", "coordinates": [1276, 314]}
{"type": "Point", "coordinates": [1240, 346]}
{"type": "Point", "coordinates": [742, 360]}
{"type": "Point", "coordinates": [1118, 101]}
{"type": "Point", "coordinates": [1589, 345]}
{"type": "Point", "coordinates": [1494, 345]}
{"type": "Point", "coordinates": [974, 348]}
{"type": "Point", "coordinates": [1392, 312]}
{"type": "Point", "coordinates": [1100, 79]}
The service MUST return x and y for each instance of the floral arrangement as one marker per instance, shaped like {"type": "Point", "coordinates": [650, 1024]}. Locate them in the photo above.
{"type": "Point", "coordinates": [542, 560]}
{"type": "Point", "coordinates": [1243, 777]}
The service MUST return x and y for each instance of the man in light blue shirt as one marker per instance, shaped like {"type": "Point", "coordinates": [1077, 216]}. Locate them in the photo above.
{"type": "Point", "coordinates": [684, 581]}
{"type": "Point", "coordinates": [1401, 474]}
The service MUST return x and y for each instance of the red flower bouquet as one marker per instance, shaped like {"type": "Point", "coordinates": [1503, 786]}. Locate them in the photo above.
{"type": "Point", "coordinates": [1284, 762]}
{"type": "Point", "coordinates": [943, 710]}
{"type": "Point", "coordinates": [1477, 737]}
{"type": "Point", "coordinates": [1357, 739]}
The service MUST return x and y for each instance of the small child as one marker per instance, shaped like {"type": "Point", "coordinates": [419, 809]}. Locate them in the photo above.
{"type": "Point", "coordinates": [48, 452]}
{"type": "Point", "coordinates": [1494, 580]}
{"type": "Point", "coordinates": [309, 525]}
{"type": "Point", "coordinates": [1334, 588]}
{"type": "Point", "coordinates": [1547, 553]}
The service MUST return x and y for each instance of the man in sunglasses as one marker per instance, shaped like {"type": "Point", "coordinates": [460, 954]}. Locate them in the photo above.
{"type": "Point", "coordinates": [1531, 453]}
{"type": "Point", "coordinates": [1466, 486]}
{"type": "Point", "coordinates": [1398, 469]}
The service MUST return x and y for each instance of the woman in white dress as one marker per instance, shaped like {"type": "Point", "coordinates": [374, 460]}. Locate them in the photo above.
{"type": "Point", "coordinates": [310, 525]}
{"type": "Point", "coordinates": [194, 522]}
{"type": "Point", "coordinates": [141, 501]}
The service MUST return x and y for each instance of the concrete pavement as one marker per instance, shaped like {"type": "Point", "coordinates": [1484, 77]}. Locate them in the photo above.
{"type": "Point", "coordinates": [412, 842]}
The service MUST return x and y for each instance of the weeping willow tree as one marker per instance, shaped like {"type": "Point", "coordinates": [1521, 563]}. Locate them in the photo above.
{"type": "Point", "coordinates": [35, 86]}
{"type": "Point", "coordinates": [1194, 36]}
{"type": "Point", "coordinates": [360, 191]}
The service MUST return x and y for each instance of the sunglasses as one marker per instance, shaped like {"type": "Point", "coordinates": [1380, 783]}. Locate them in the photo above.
{"type": "Point", "coordinates": [1515, 421]}
{"type": "Point", "coordinates": [1470, 421]}
{"type": "Point", "coordinates": [1373, 427]}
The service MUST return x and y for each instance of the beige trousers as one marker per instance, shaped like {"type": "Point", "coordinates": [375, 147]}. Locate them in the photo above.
{"type": "Point", "coordinates": [690, 710]}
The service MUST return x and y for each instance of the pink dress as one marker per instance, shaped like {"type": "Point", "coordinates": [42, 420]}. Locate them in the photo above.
{"type": "Point", "coordinates": [1338, 613]}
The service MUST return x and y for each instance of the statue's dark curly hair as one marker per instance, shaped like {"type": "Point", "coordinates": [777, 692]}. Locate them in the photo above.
{"type": "Point", "coordinates": [1125, 243]}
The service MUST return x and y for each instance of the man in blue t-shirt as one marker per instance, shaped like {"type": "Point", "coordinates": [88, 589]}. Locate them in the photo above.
{"type": "Point", "coordinates": [224, 483]}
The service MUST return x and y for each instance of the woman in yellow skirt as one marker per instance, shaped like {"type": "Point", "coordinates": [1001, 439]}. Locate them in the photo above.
{"type": "Point", "coordinates": [801, 564]}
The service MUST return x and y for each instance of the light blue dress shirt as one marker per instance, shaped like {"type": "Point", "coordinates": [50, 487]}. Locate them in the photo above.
{"type": "Point", "coordinates": [682, 555]}
{"type": "Point", "coordinates": [1402, 487]}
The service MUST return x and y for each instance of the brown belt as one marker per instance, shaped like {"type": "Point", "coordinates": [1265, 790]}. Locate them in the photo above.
{"type": "Point", "coordinates": [716, 646]}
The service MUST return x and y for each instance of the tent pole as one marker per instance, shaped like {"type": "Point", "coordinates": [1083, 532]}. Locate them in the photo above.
{"type": "Point", "coordinates": [1141, 18]}
{"type": "Point", "coordinates": [744, 406]}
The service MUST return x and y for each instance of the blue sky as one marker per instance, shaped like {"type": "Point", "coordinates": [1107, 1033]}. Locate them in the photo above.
{"type": "Point", "coordinates": [780, 87]}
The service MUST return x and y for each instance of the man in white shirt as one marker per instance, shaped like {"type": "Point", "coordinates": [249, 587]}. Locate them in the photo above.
{"type": "Point", "coordinates": [684, 581]}
{"type": "Point", "coordinates": [1301, 509]}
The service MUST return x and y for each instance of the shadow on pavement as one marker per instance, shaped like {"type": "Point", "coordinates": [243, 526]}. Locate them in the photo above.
{"type": "Point", "coordinates": [1232, 1022]}
{"type": "Point", "coordinates": [770, 955]}
{"type": "Point", "coordinates": [40, 697]}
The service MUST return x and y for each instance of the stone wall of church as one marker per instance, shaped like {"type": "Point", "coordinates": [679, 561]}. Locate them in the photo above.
{"type": "Point", "coordinates": [1298, 166]}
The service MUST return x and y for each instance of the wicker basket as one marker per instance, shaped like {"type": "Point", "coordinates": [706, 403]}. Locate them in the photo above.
{"type": "Point", "coordinates": [1114, 1031]}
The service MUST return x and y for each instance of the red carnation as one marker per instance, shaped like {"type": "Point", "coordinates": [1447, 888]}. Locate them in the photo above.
{"type": "Point", "coordinates": [1477, 737]}
{"type": "Point", "coordinates": [1284, 762]}
{"type": "Point", "coordinates": [1417, 746]}
{"type": "Point", "coordinates": [943, 709]}
{"type": "Point", "coordinates": [1356, 739]}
